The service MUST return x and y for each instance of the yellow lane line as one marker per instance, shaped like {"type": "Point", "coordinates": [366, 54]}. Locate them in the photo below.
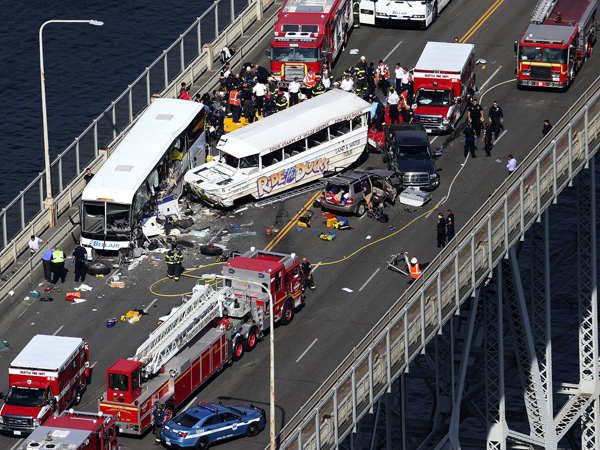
{"type": "Point", "coordinates": [480, 22]}
{"type": "Point", "coordinates": [291, 223]}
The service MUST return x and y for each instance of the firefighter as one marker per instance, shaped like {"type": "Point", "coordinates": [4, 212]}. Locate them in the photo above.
{"type": "Point", "coordinates": [234, 104]}
{"type": "Point", "coordinates": [356, 12]}
{"type": "Point", "coordinates": [319, 87]}
{"type": "Point", "coordinates": [280, 101]}
{"type": "Point", "coordinates": [158, 417]}
{"type": "Point", "coordinates": [58, 267]}
{"type": "Point", "coordinates": [269, 105]}
{"type": "Point", "coordinates": [360, 72]}
{"type": "Point", "coordinates": [174, 259]}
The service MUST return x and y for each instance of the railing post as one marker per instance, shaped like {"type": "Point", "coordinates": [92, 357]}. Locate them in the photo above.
{"type": "Point", "coordinates": [148, 94]}
{"type": "Point", "coordinates": [181, 54]}
{"type": "Point", "coordinates": [232, 6]}
{"type": "Point", "coordinates": [96, 138]}
{"type": "Point", "coordinates": [130, 99]}
{"type": "Point", "coordinates": [199, 37]}
{"type": "Point", "coordinates": [77, 162]}
{"type": "Point", "coordinates": [259, 10]}
{"type": "Point", "coordinates": [41, 193]}
{"type": "Point", "coordinates": [60, 174]}
{"type": "Point", "coordinates": [4, 231]}
{"type": "Point", "coordinates": [114, 120]}
{"type": "Point", "coordinates": [22, 202]}
{"type": "Point", "coordinates": [166, 68]}
{"type": "Point", "coordinates": [216, 5]}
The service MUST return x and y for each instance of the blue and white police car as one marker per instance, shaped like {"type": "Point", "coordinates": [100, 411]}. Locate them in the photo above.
{"type": "Point", "coordinates": [207, 423]}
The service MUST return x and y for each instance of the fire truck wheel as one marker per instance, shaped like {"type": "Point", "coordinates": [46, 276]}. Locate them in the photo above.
{"type": "Point", "coordinates": [211, 250]}
{"type": "Point", "coordinates": [251, 341]}
{"type": "Point", "coordinates": [203, 443]}
{"type": "Point", "coordinates": [77, 396]}
{"type": "Point", "coordinates": [238, 349]}
{"type": "Point", "coordinates": [98, 268]}
{"type": "Point", "coordinates": [287, 314]}
{"type": "Point", "coordinates": [252, 429]}
{"type": "Point", "coordinates": [169, 408]}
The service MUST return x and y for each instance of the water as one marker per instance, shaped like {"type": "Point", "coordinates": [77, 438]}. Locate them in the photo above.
{"type": "Point", "coordinates": [87, 67]}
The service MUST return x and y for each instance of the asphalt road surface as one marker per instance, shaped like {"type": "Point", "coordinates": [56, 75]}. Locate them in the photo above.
{"type": "Point", "coordinates": [352, 294]}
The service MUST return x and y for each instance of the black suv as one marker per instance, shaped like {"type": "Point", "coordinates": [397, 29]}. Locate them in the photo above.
{"type": "Point", "coordinates": [407, 151]}
{"type": "Point", "coordinates": [343, 192]}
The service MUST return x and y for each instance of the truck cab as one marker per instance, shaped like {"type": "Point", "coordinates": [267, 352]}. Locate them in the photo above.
{"type": "Point", "coordinates": [408, 152]}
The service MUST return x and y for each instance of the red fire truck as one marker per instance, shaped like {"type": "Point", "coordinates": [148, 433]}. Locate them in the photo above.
{"type": "Point", "coordinates": [555, 45]}
{"type": "Point", "coordinates": [74, 430]}
{"type": "Point", "coordinates": [47, 376]}
{"type": "Point", "coordinates": [308, 34]}
{"type": "Point", "coordinates": [223, 323]}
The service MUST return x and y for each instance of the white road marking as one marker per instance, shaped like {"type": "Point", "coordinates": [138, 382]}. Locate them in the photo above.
{"type": "Point", "coordinates": [489, 79]}
{"type": "Point", "coordinates": [367, 282]}
{"type": "Point", "coordinates": [307, 349]}
{"type": "Point", "coordinates": [440, 203]}
{"type": "Point", "coordinates": [189, 405]}
{"type": "Point", "coordinates": [93, 364]}
{"type": "Point", "coordinates": [19, 442]}
{"type": "Point", "coordinates": [393, 50]}
{"type": "Point", "coordinates": [433, 140]}
{"type": "Point", "coordinates": [56, 332]}
{"type": "Point", "coordinates": [500, 137]}
{"type": "Point", "coordinates": [347, 290]}
{"type": "Point", "coordinates": [316, 266]}
{"type": "Point", "coordinates": [153, 302]}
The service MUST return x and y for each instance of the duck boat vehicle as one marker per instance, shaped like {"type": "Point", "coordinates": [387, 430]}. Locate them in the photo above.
{"type": "Point", "coordinates": [283, 151]}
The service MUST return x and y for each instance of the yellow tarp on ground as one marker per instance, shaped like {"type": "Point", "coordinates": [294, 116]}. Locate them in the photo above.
{"type": "Point", "coordinates": [230, 126]}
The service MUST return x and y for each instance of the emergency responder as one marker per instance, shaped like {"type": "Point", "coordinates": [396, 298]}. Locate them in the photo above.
{"type": "Point", "coordinates": [234, 104]}
{"type": "Point", "coordinates": [174, 259]}
{"type": "Point", "coordinates": [392, 101]}
{"type": "Point", "coordinates": [158, 417]}
{"type": "Point", "coordinates": [475, 115]}
{"type": "Point", "coordinates": [496, 118]}
{"type": "Point", "coordinates": [280, 101]}
{"type": "Point", "coordinates": [441, 231]}
{"type": "Point", "coordinates": [469, 136]}
{"type": "Point", "coordinates": [371, 79]}
{"type": "Point", "coordinates": [319, 87]}
{"type": "Point", "coordinates": [356, 12]}
{"type": "Point", "coordinates": [79, 258]}
{"type": "Point", "coordinates": [407, 114]}
{"type": "Point", "coordinates": [294, 92]}
{"type": "Point", "coordinates": [383, 73]}
{"type": "Point", "coordinates": [273, 87]}
{"type": "Point", "coordinates": [488, 140]}
{"type": "Point", "coordinates": [415, 269]}
{"type": "Point", "coordinates": [269, 105]}
{"type": "Point", "coordinates": [450, 224]}
{"type": "Point", "coordinates": [307, 276]}
{"type": "Point", "coordinates": [309, 82]}
{"type": "Point", "coordinates": [58, 266]}
{"type": "Point", "coordinates": [360, 72]}
{"type": "Point", "coordinates": [217, 126]}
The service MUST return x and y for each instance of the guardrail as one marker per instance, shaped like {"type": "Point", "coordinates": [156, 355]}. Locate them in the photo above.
{"type": "Point", "coordinates": [384, 354]}
{"type": "Point", "coordinates": [185, 60]}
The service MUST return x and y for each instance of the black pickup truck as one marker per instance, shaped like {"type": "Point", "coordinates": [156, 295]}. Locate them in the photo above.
{"type": "Point", "coordinates": [407, 151]}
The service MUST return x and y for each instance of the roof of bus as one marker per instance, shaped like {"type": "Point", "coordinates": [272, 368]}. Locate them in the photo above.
{"type": "Point", "coordinates": [142, 148]}
{"type": "Point", "coordinates": [47, 352]}
{"type": "Point", "coordinates": [308, 6]}
{"type": "Point", "coordinates": [444, 56]}
{"type": "Point", "coordinates": [289, 125]}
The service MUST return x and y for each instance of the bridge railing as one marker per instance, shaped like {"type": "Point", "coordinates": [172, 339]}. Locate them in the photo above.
{"type": "Point", "coordinates": [384, 354]}
{"type": "Point", "coordinates": [185, 60]}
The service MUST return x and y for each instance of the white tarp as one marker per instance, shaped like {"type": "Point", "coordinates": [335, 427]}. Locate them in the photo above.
{"type": "Point", "coordinates": [292, 124]}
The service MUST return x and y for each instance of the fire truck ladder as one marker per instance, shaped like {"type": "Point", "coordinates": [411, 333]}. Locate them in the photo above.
{"type": "Point", "coordinates": [542, 10]}
{"type": "Point", "coordinates": [180, 328]}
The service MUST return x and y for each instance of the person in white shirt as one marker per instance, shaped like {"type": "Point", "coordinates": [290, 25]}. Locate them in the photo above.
{"type": "Point", "coordinates": [512, 164]}
{"type": "Point", "coordinates": [259, 90]}
{"type": "Point", "coordinates": [405, 76]}
{"type": "Point", "coordinates": [34, 243]}
{"type": "Point", "coordinates": [398, 74]}
{"type": "Point", "coordinates": [347, 84]}
{"type": "Point", "coordinates": [393, 99]}
{"type": "Point", "coordinates": [326, 81]}
{"type": "Point", "coordinates": [293, 91]}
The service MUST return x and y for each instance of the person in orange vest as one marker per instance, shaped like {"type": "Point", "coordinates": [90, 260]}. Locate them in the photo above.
{"type": "Point", "coordinates": [234, 104]}
{"type": "Point", "coordinates": [309, 82]}
{"type": "Point", "coordinates": [415, 269]}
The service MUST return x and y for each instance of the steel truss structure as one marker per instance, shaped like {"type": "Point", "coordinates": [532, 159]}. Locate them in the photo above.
{"type": "Point", "coordinates": [470, 326]}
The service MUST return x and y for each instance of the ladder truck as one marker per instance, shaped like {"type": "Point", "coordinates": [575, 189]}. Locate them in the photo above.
{"type": "Point", "coordinates": [556, 43]}
{"type": "Point", "coordinates": [212, 327]}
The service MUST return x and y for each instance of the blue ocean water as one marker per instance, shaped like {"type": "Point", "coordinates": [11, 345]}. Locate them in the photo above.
{"type": "Point", "coordinates": [87, 67]}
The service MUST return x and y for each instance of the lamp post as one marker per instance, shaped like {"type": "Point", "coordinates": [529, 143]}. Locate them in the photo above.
{"type": "Point", "coordinates": [272, 351]}
{"type": "Point", "coordinates": [49, 200]}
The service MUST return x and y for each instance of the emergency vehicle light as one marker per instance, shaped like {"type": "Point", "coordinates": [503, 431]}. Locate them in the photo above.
{"type": "Point", "coordinates": [106, 199]}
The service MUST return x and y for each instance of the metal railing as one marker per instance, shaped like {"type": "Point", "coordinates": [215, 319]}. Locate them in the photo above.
{"type": "Point", "coordinates": [185, 60]}
{"type": "Point", "coordinates": [385, 353]}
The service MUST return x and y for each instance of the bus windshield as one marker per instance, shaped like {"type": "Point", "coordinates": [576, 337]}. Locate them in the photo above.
{"type": "Point", "coordinates": [99, 217]}
{"type": "Point", "coordinates": [26, 396]}
{"type": "Point", "coordinates": [299, 54]}
{"type": "Point", "coordinates": [433, 97]}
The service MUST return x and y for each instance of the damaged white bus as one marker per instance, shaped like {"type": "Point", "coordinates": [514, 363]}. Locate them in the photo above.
{"type": "Point", "coordinates": [144, 174]}
{"type": "Point", "coordinates": [285, 150]}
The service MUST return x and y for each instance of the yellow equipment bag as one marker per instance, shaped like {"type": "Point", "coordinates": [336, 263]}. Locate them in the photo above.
{"type": "Point", "coordinates": [331, 222]}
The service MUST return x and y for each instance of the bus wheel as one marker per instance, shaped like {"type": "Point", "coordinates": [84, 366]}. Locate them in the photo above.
{"type": "Point", "coordinates": [251, 341]}
{"type": "Point", "coordinates": [287, 315]}
{"type": "Point", "coordinates": [98, 268]}
{"type": "Point", "coordinates": [238, 349]}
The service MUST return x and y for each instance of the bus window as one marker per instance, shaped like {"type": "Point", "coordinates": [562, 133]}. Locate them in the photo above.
{"type": "Point", "coordinates": [117, 218]}
{"type": "Point", "coordinates": [196, 127]}
{"type": "Point", "coordinates": [249, 161]}
{"type": "Point", "coordinates": [93, 217]}
{"type": "Point", "coordinates": [229, 160]}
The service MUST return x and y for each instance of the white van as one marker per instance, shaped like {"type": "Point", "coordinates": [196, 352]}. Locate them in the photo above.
{"type": "Point", "coordinates": [285, 150]}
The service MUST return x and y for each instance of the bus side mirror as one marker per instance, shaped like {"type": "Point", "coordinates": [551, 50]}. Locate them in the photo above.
{"type": "Point", "coordinates": [516, 47]}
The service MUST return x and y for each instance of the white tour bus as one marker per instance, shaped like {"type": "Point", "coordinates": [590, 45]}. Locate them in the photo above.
{"type": "Point", "coordinates": [144, 173]}
{"type": "Point", "coordinates": [418, 12]}
{"type": "Point", "coordinates": [285, 150]}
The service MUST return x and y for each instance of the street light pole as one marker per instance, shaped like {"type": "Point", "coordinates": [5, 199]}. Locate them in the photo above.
{"type": "Point", "coordinates": [49, 203]}
{"type": "Point", "coordinates": [272, 352]}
